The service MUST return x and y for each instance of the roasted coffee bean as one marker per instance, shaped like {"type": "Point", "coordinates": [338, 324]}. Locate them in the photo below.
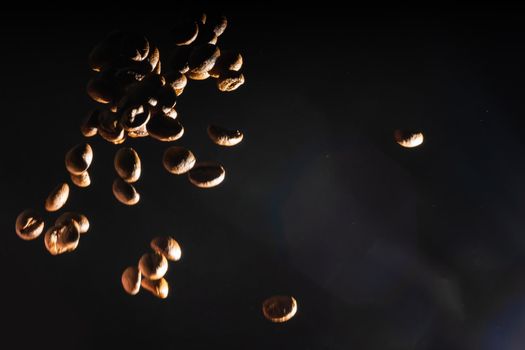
{"type": "Point", "coordinates": [178, 160]}
{"type": "Point", "coordinates": [80, 219]}
{"type": "Point", "coordinates": [131, 279]}
{"type": "Point", "coordinates": [164, 128]}
{"type": "Point", "coordinates": [29, 225]}
{"type": "Point", "coordinates": [79, 158]}
{"type": "Point", "coordinates": [127, 164]}
{"type": "Point", "coordinates": [153, 265]}
{"type": "Point", "coordinates": [185, 32]}
{"type": "Point", "coordinates": [218, 24]}
{"type": "Point", "coordinates": [57, 198]}
{"type": "Point", "coordinates": [224, 137]}
{"type": "Point", "coordinates": [124, 192]}
{"type": "Point", "coordinates": [141, 92]}
{"type": "Point", "coordinates": [176, 80]}
{"type": "Point", "coordinates": [167, 246]}
{"type": "Point", "coordinates": [103, 89]}
{"type": "Point", "coordinates": [227, 61]}
{"type": "Point", "coordinates": [154, 59]}
{"type": "Point", "coordinates": [203, 57]}
{"type": "Point", "coordinates": [206, 174]}
{"type": "Point", "coordinates": [178, 59]}
{"type": "Point", "coordinates": [230, 81]}
{"type": "Point", "coordinates": [89, 125]}
{"type": "Point", "coordinates": [138, 133]}
{"type": "Point", "coordinates": [110, 128]}
{"type": "Point", "coordinates": [279, 308]}
{"type": "Point", "coordinates": [82, 180]}
{"type": "Point", "coordinates": [135, 118]}
{"type": "Point", "coordinates": [63, 238]}
{"type": "Point", "coordinates": [159, 288]}
{"type": "Point", "coordinates": [408, 138]}
{"type": "Point", "coordinates": [166, 98]}
{"type": "Point", "coordinates": [116, 46]}
{"type": "Point", "coordinates": [198, 76]}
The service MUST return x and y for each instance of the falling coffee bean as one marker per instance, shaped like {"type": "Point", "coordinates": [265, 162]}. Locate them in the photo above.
{"type": "Point", "coordinates": [124, 192]}
{"type": "Point", "coordinates": [80, 219]}
{"type": "Point", "coordinates": [58, 197]}
{"type": "Point", "coordinates": [127, 164]}
{"type": "Point", "coordinates": [159, 288]}
{"type": "Point", "coordinates": [224, 137]}
{"type": "Point", "coordinates": [167, 246]}
{"type": "Point", "coordinates": [279, 308]}
{"type": "Point", "coordinates": [131, 279]}
{"type": "Point", "coordinates": [29, 225]}
{"type": "Point", "coordinates": [153, 265]}
{"type": "Point", "coordinates": [178, 160]}
{"type": "Point", "coordinates": [63, 238]}
{"type": "Point", "coordinates": [206, 174]}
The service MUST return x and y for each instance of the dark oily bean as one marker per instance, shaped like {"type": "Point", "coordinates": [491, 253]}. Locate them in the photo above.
{"type": "Point", "coordinates": [163, 128]}
{"type": "Point", "coordinates": [279, 308]}
{"type": "Point", "coordinates": [224, 137]}
{"type": "Point", "coordinates": [29, 225]}
{"type": "Point", "coordinates": [135, 118]}
{"type": "Point", "coordinates": [78, 159]}
{"type": "Point", "coordinates": [131, 279]}
{"type": "Point", "coordinates": [203, 57]}
{"type": "Point", "coordinates": [63, 238]}
{"type": "Point", "coordinates": [178, 160]}
{"type": "Point", "coordinates": [80, 219]}
{"type": "Point", "coordinates": [228, 60]}
{"type": "Point", "coordinates": [124, 192]}
{"type": "Point", "coordinates": [206, 174]}
{"type": "Point", "coordinates": [178, 59]}
{"type": "Point", "coordinates": [185, 32]}
{"type": "Point", "coordinates": [89, 124]}
{"type": "Point", "coordinates": [83, 180]}
{"type": "Point", "coordinates": [127, 164]}
{"type": "Point", "coordinates": [158, 288]}
{"type": "Point", "coordinates": [153, 265]}
{"type": "Point", "coordinates": [230, 81]}
{"type": "Point", "coordinates": [167, 246]}
{"type": "Point", "coordinates": [408, 138]}
{"type": "Point", "coordinates": [176, 80]}
{"type": "Point", "coordinates": [58, 197]}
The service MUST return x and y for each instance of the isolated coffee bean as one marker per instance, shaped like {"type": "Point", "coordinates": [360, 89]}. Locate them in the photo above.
{"type": "Point", "coordinates": [185, 32]}
{"type": "Point", "coordinates": [163, 128]}
{"type": "Point", "coordinates": [58, 197]}
{"type": "Point", "coordinates": [230, 81]}
{"type": "Point", "coordinates": [228, 60]}
{"type": "Point", "coordinates": [153, 265]}
{"type": "Point", "coordinates": [159, 288]}
{"type": "Point", "coordinates": [82, 180]}
{"type": "Point", "coordinates": [279, 308]}
{"type": "Point", "coordinates": [63, 238]}
{"type": "Point", "coordinates": [176, 80]}
{"type": "Point", "coordinates": [79, 158]}
{"type": "Point", "coordinates": [80, 219]}
{"type": "Point", "coordinates": [131, 279]}
{"type": "Point", "coordinates": [127, 164]}
{"type": "Point", "coordinates": [178, 160]}
{"type": "Point", "coordinates": [167, 246]}
{"type": "Point", "coordinates": [224, 137]}
{"type": "Point", "coordinates": [124, 192]}
{"type": "Point", "coordinates": [178, 59]}
{"type": "Point", "coordinates": [408, 138]}
{"type": "Point", "coordinates": [203, 57]}
{"type": "Point", "coordinates": [89, 124]}
{"type": "Point", "coordinates": [206, 174]}
{"type": "Point", "coordinates": [29, 225]}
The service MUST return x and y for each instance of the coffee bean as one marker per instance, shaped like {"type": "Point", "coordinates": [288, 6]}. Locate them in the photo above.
{"type": "Point", "coordinates": [178, 160]}
{"type": "Point", "coordinates": [230, 81]}
{"type": "Point", "coordinates": [82, 180]}
{"type": "Point", "coordinates": [164, 128]}
{"type": "Point", "coordinates": [206, 174]}
{"type": "Point", "coordinates": [80, 219]}
{"type": "Point", "coordinates": [185, 32]}
{"type": "Point", "coordinates": [166, 98]}
{"type": "Point", "coordinates": [198, 76]}
{"type": "Point", "coordinates": [127, 164]}
{"type": "Point", "coordinates": [153, 265]}
{"type": "Point", "coordinates": [124, 192]}
{"type": "Point", "coordinates": [79, 158]}
{"type": "Point", "coordinates": [89, 125]}
{"type": "Point", "coordinates": [176, 80]}
{"type": "Point", "coordinates": [131, 280]}
{"type": "Point", "coordinates": [167, 246]}
{"type": "Point", "coordinates": [135, 118]}
{"type": "Point", "coordinates": [228, 60]}
{"type": "Point", "coordinates": [159, 288]}
{"type": "Point", "coordinates": [57, 198]}
{"type": "Point", "coordinates": [29, 225]}
{"type": "Point", "coordinates": [224, 137]}
{"type": "Point", "coordinates": [217, 23]}
{"type": "Point", "coordinates": [63, 238]}
{"type": "Point", "coordinates": [408, 138]}
{"type": "Point", "coordinates": [279, 308]}
{"type": "Point", "coordinates": [203, 57]}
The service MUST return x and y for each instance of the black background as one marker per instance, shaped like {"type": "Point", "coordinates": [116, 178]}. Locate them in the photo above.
{"type": "Point", "coordinates": [383, 247]}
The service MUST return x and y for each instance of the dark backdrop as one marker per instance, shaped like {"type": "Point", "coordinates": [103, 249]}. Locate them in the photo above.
{"type": "Point", "coordinates": [383, 247]}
